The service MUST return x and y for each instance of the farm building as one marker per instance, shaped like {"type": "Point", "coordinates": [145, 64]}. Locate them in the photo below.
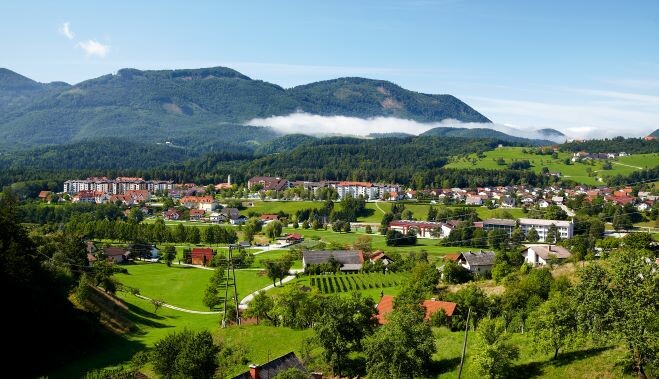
{"type": "Point", "coordinates": [349, 260]}
{"type": "Point", "coordinates": [201, 255]}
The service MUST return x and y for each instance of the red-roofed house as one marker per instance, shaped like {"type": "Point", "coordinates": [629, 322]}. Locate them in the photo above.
{"type": "Point", "coordinates": [380, 256]}
{"type": "Point", "coordinates": [269, 218]}
{"type": "Point", "coordinates": [294, 238]}
{"type": "Point", "coordinates": [197, 214]}
{"type": "Point", "coordinates": [386, 305]}
{"type": "Point", "coordinates": [44, 195]}
{"type": "Point", "coordinates": [201, 255]}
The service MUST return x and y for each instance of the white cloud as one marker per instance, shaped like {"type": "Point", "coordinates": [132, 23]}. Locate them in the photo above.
{"type": "Point", "coordinates": [581, 119]}
{"type": "Point", "coordinates": [96, 48]}
{"type": "Point", "coordinates": [65, 29]}
{"type": "Point", "coordinates": [311, 124]}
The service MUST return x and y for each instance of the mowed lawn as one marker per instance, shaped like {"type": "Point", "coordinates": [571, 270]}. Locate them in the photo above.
{"type": "Point", "coordinates": [345, 240]}
{"type": "Point", "coordinates": [184, 286]}
{"type": "Point", "coordinates": [576, 171]}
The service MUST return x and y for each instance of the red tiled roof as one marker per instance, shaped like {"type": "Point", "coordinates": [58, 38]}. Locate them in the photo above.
{"type": "Point", "coordinates": [386, 305]}
{"type": "Point", "coordinates": [452, 257]}
{"type": "Point", "coordinates": [200, 251]}
{"type": "Point", "coordinates": [197, 199]}
{"type": "Point", "coordinates": [44, 194]}
{"type": "Point", "coordinates": [268, 217]}
{"type": "Point", "coordinates": [198, 212]}
{"type": "Point", "coordinates": [361, 184]}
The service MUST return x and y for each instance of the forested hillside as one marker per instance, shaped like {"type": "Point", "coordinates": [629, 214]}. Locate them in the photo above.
{"type": "Point", "coordinates": [193, 107]}
{"type": "Point", "coordinates": [614, 145]}
{"type": "Point", "coordinates": [482, 133]}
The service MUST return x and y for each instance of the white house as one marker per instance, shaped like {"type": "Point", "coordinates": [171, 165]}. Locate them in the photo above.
{"type": "Point", "coordinates": [477, 262]}
{"type": "Point", "coordinates": [539, 255]}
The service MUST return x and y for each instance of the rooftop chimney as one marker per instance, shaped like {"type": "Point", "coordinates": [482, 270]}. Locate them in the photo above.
{"type": "Point", "coordinates": [254, 371]}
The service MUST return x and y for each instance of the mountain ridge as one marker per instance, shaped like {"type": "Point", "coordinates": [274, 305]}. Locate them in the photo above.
{"type": "Point", "coordinates": [189, 105]}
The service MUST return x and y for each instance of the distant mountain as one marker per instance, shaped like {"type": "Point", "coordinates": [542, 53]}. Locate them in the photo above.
{"type": "Point", "coordinates": [477, 133]}
{"type": "Point", "coordinates": [551, 133]}
{"type": "Point", "coordinates": [196, 108]}
{"type": "Point", "coordinates": [361, 97]}
{"type": "Point", "coordinates": [390, 135]}
{"type": "Point", "coordinates": [654, 134]}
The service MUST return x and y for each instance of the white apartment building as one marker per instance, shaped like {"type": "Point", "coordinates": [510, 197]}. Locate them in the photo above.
{"type": "Point", "coordinates": [565, 228]}
{"type": "Point", "coordinates": [116, 186]}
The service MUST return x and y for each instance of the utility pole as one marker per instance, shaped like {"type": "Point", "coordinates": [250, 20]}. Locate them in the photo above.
{"type": "Point", "coordinates": [464, 344]}
{"type": "Point", "coordinates": [230, 281]}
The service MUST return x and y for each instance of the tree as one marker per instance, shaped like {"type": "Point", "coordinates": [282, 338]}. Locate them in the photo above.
{"type": "Point", "coordinates": [193, 236]}
{"type": "Point", "coordinates": [278, 269]}
{"type": "Point", "coordinates": [432, 214]}
{"type": "Point", "coordinates": [342, 325]}
{"type": "Point", "coordinates": [494, 354]}
{"type": "Point", "coordinates": [402, 348]}
{"type": "Point", "coordinates": [406, 215]}
{"type": "Point", "coordinates": [212, 296]}
{"type": "Point", "coordinates": [169, 255]}
{"type": "Point", "coordinates": [157, 303]}
{"type": "Point", "coordinates": [273, 229]}
{"type": "Point", "coordinates": [185, 354]}
{"type": "Point", "coordinates": [621, 220]}
{"type": "Point", "coordinates": [633, 306]}
{"type": "Point", "coordinates": [363, 243]}
{"type": "Point", "coordinates": [454, 273]}
{"type": "Point", "coordinates": [532, 236]}
{"type": "Point", "coordinates": [498, 239]}
{"type": "Point", "coordinates": [135, 215]}
{"type": "Point", "coordinates": [517, 236]}
{"type": "Point", "coordinates": [553, 235]}
{"type": "Point", "coordinates": [368, 229]}
{"type": "Point", "coordinates": [553, 324]}
{"type": "Point", "coordinates": [260, 306]}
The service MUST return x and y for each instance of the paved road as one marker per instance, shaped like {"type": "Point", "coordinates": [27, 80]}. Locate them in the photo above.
{"type": "Point", "coordinates": [250, 297]}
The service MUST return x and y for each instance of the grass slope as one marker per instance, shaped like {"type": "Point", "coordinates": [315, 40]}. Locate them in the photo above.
{"type": "Point", "coordinates": [577, 171]}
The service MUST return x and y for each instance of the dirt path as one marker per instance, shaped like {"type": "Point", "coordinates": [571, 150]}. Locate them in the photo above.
{"type": "Point", "coordinates": [627, 165]}
{"type": "Point", "coordinates": [179, 308]}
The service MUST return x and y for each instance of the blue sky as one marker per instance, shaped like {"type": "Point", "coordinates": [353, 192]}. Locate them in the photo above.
{"type": "Point", "coordinates": [588, 68]}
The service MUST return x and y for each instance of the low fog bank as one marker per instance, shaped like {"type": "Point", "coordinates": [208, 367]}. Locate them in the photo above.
{"type": "Point", "coordinates": [316, 125]}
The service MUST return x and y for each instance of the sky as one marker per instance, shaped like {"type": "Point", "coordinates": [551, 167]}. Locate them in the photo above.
{"type": "Point", "coordinates": [587, 68]}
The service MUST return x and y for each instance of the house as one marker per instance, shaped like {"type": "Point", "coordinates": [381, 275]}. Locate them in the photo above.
{"type": "Point", "coordinates": [116, 254]}
{"type": "Point", "coordinates": [45, 195]}
{"type": "Point", "coordinates": [294, 238]}
{"type": "Point", "coordinates": [268, 183]}
{"type": "Point", "coordinates": [565, 228]}
{"type": "Point", "coordinates": [276, 366]}
{"type": "Point", "coordinates": [238, 221]}
{"type": "Point", "coordinates": [197, 214]}
{"type": "Point", "coordinates": [432, 306]}
{"type": "Point", "coordinates": [230, 213]}
{"type": "Point", "coordinates": [539, 254]}
{"type": "Point", "coordinates": [216, 218]}
{"type": "Point", "coordinates": [422, 229]}
{"type": "Point", "coordinates": [350, 260]}
{"type": "Point", "coordinates": [201, 255]}
{"type": "Point", "coordinates": [473, 200]}
{"type": "Point", "coordinates": [171, 214]}
{"type": "Point", "coordinates": [477, 262]}
{"type": "Point", "coordinates": [380, 256]}
{"type": "Point", "coordinates": [268, 218]}
{"type": "Point", "coordinates": [207, 203]}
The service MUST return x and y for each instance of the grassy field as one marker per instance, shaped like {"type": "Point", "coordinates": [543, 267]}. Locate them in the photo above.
{"type": "Point", "coordinates": [183, 286]}
{"type": "Point", "coordinates": [379, 243]}
{"type": "Point", "coordinates": [577, 171]}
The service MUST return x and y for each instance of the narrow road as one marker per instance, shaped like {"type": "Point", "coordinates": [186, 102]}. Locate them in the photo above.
{"type": "Point", "coordinates": [250, 297]}
{"type": "Point", "coordinates": [179, 308]}
{"type": "Point", "coordinates": [622, 164]}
